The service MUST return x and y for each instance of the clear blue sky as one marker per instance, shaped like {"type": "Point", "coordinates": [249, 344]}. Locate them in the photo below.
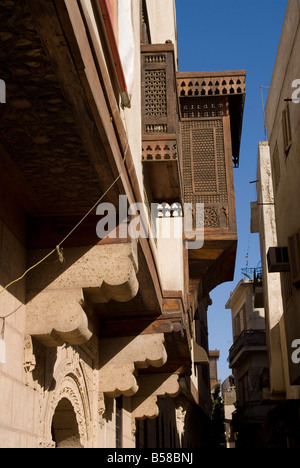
{"type": "Point", "coordinates": [234, 35]}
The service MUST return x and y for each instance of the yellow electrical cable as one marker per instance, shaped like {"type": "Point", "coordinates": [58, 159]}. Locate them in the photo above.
{"type": "Point", "coordinates": [57, 249]}
{"type": "Point", "coordinates": [27, 271]}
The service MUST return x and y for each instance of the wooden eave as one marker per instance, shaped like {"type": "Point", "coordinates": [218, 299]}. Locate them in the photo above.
{"type": "Point", "coordinates": [230, 83]}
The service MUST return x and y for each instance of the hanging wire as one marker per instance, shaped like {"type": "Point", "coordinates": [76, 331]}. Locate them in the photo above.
{"type": "Point", "coordinates": [245, 271]}
{"type": "Point", "coordinates": [264, 112]}
{"type": "Point", "coordinates": [58, 248]}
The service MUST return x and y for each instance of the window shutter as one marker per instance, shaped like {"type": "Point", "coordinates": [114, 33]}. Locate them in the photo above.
{"type": "Point", "coordinates": [294, 255]}
{"type": "Point", "coordinates": [286, 127]}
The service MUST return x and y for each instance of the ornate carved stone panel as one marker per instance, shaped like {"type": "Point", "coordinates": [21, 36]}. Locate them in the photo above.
{"type": "Point", "coordinates": [71, 379]}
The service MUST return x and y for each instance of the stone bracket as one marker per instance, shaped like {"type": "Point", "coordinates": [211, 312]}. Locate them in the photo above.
{"type": "Point", "coordinates": [121, 357]}
{"type": "Point", "coordinates": [144, 403]}
{"type": "Point", "coordinates": [55, 317]}
{"type": "Point", "coordinates": [60, 294]}
{"type": "Point", "coordinates": [104, 272]}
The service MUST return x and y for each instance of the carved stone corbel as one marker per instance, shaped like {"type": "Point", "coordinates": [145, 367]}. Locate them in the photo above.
{"type": "Point", "coordinates": [60, 293]}
{"type": "Point", "coordinates": [144, 403]}
{"type": "Point", "coordinates": [58, 317]}
{"type": "Point", "coordinates": [121, 357]}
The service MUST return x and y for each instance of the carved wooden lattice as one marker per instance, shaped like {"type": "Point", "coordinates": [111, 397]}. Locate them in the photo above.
{"type": "Point", "coordinates": [159, 99]}
{"type": "Point", "coordinates": [159, 150]}
{"type": "Point", "coordinates": [160, 123]}
{"type": "Point", "coordinates": [202, 107]}
{"type": "Point", "coordinates": [155, 93]}
{"type": "Point", "coordinates": [211, 85]}
{"type": "Point", "coordinates": [204, 169]}
{"type": "Point", "coordinates": [215, 94]}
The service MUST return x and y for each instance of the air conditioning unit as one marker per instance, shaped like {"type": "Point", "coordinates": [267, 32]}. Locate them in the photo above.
{"type": "Point", "coordinates": [278, 259]}
{"type": "Point", "coordinates": [294, 255]}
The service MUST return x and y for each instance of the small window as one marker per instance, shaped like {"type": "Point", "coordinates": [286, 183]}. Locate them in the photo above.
{"type": "Point", "coordinates": [276, 168]}
{"type": "Point", "coordinates": [119, 421]}
{"type": "Point", "coordinates": [286, 127]}
{"type": "Point", "coordinates": [287, 285]}
{"type": "Point", "coordinates": [294, 256]}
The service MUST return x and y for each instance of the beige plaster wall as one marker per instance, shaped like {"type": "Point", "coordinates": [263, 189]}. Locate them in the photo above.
{"type": "Point", "coordinates": [271, 282]}
{"type": "Point", "coordinates": [287, 206]}
{"type": "Point", "coordinates": [170, 253]}
{"type": "Point", "coordinates": [160, 29]}
{"type": "Point", "coordinates": [286, 194]}
{"type": "Point", "coordinates": [19, 403]}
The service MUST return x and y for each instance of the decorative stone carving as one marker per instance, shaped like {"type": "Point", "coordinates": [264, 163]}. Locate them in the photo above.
{"type": "Point", "coordinates": [68, 381]}
{"type": "Point", "coordinates": [180, 419]}
{"type": "Point", "coordinates": [144, 403]}
{"type": "Point", "coordinates": [29, 357]}
{"type": "Point", "coordinates": [120, 357]}
{"type": "Point", "coordinates": [183, 408]}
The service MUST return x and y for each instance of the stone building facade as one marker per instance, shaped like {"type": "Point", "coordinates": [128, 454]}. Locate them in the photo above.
{"type": "Point", "coordinates": [275, 216]}
{"type": "Point", "coordinates": [248, 359]}
{"type": "Point", "coordinates": [103, 328]}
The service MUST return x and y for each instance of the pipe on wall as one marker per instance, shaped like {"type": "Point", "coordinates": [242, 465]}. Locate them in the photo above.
{"type": "Point", "coordinates": [105, 17]}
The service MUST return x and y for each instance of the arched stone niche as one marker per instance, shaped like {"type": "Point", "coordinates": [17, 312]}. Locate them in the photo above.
{"type": "Point", "coordinates": [67, 398]}
{"type": "Point", "coordinates": [64, 429]}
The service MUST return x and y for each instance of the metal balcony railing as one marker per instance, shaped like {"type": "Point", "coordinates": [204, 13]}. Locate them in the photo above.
{"type": "Point", "coordinates": [253, 411]}
{"type": "Point", "coordinates": [247, 338]}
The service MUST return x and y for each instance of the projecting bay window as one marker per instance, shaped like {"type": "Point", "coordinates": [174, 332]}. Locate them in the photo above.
{"type": "Point", "coordinates": [160, 125]}
{"type": "Point", "coordinates": [286, 127]}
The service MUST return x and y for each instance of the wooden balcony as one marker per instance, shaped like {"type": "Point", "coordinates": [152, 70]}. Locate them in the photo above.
{"type": "Point", "coordinates": [160, 158]}
{"type": "Point", "coordinates": [211, 113]}
{"type": "Point", "coordinates": [160, 124]}
{"type": "Point", "coordinates": [231, 84]}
